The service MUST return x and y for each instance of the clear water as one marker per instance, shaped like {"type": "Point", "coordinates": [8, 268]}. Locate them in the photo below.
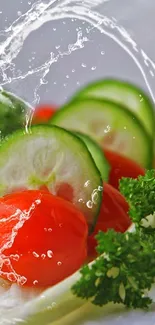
{"type": "Point", "coordinates": [50, 48]}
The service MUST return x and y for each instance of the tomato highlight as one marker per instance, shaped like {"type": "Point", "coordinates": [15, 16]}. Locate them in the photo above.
{"type": "Point", "coordinates": [42, 238]}
{"type": "Point", "coordinates": [113, 215]}
{"type": "Point", "coordinates": [121, 167]}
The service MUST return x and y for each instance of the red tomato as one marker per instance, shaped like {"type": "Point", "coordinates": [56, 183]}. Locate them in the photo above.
{"type": "Point", "coordinates": [113, 215]}
{"type": "Point", "coordinates": [43, 113]}
{"type": "Point", "coordinates": [121, 167]}
{"type": "Point", "coordinates": [42, 238]}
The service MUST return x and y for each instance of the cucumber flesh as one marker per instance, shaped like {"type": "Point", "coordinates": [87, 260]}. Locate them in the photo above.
{"type": "Point", "coordinates": [97, 154]}
{"type": "Point", "coordinates": [126, 94]}
{"type": "Point", "coordinates": [13, 113]}
{"type": "Point", "coordinates": [111, 125]}
{"type": "Point", "coordinates": [51, 156]}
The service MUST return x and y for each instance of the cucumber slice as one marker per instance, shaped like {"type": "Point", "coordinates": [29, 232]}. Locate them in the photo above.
{"type": "Point", "coordinates": [13, 113]}
{"type": "Point", "coordinates": [126, 94]}
{"type": "Point", "coordinates": [50, 156]}
{"type": "Point", "coordinates": [110, 125]}
{"type": "Point", "coordinates": [97, 154]}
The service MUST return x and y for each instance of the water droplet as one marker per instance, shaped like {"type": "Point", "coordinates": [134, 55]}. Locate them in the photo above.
{"type": "Point", "coordinates": [83, 65]}
{"type": "Point", "coordinates": [87, 183]}
{"type": "Point", "coordinates": [102, 52]}
{"type": "Point", "coordinates": [107, 129]}
{"type": "Point", "coordinates": [11, 277]}
{"type": "Point", "coordinates": [54, 29]}
{"type": "Point", "coordinates": [14, 257]}
{"type": "Point", "coordinates": [93, 68]}
{"type": "Point", "coordinates": [67, 76]}
{"type": "Point", "coordinates": [43, 256]}
{"type": "Point", "coordinates": [49, 229]}
{"type": "Point", "coordinates": [35, 282]}
{"type": "Point", "coordinates": [95, 197]}
{"type": "Point", "coordinates": [49, 253]}
{"type": "Point", "coordinates": [141, 98]}
{"type": "Point", "coordinates": [89, 204]}
{"type": "Point", "coordinates": [60, 225]}
{"type": "Point", "coordinates": [6, 262]}
{"type": "Point", "coordinates": [19, 13]}
{"type": "Point", "coordinates": [22, 280]}
{"type": "Point", "coordinates": [73, 70]}
{"type": "Point", "coordinates": [38, 201]}
{"type": "Point", "coordinates": [35, 254]}
{"type": "Point", "coordinates": [59, 263]}
{"type": "Point", "coordinates": [45, 229]}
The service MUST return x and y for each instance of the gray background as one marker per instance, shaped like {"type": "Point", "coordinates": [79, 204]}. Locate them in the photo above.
{"type": "Point", "coordinates": [100, 57]}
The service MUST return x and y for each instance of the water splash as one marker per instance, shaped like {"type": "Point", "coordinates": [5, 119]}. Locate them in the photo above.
{"type": "Point", "coordinates": [42, 12]}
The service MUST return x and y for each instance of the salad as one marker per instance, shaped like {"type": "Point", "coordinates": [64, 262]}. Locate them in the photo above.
{"type": "Point", "coordinates": [77, 203]}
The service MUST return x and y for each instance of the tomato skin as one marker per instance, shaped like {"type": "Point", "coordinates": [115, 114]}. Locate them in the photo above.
{"type": "Point", "coordinates": [121, 167]}
{"type": "Point", "coordinates": [113, 215]}
{"type": "Point", "coordinates": [43, 113]}
{"type": "Point", "coordinates": [50, 241]}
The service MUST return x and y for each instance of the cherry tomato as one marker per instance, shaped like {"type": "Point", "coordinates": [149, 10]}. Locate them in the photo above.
{"type": "Point", "coordinates": [43, 113]}
{"type": "Point", "coordinates": [113, 215]}
{"type": "Point", "coordinates": [121, 167]}
{"type": "Point", "coordinates": [42, 238]}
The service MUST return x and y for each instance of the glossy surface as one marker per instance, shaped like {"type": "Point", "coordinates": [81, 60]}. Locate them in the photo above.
{"type": "Point", "coordinates": [121, 167]}
{"type": "Point", "coordinates": [113, 214]}
{"type": "Point", "coordinates": [39, 235]}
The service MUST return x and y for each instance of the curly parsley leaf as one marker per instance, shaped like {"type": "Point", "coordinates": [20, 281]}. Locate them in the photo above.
{"type": "Point", "coordinates": [140, 194]}
{"type": "Point", "coordinates": [122, 274]}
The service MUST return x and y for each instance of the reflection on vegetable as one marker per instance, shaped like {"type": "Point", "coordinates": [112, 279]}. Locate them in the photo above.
{"type": "Point", "coordinates": [12, 113]}
{"type": "Point", "coordinates": [39, 235]}
{"type": "Point", "coordinates": [113, 214]}
{"type": "Point", "coordinates": [121, 167]}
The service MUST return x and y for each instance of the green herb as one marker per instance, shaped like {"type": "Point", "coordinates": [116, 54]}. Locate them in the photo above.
{"type": "Point", "coordinates": [140, 194]}
{"type": "Point", "coordinates": [125, 270]}
{"type": "Point", "coordinates": [123, 274]}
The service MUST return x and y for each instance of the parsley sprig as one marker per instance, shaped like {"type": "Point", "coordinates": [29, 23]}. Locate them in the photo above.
{"type": "Point", "coordinates": [125, 270]}
{"type": "Point", "coordinates": [140, 194]}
